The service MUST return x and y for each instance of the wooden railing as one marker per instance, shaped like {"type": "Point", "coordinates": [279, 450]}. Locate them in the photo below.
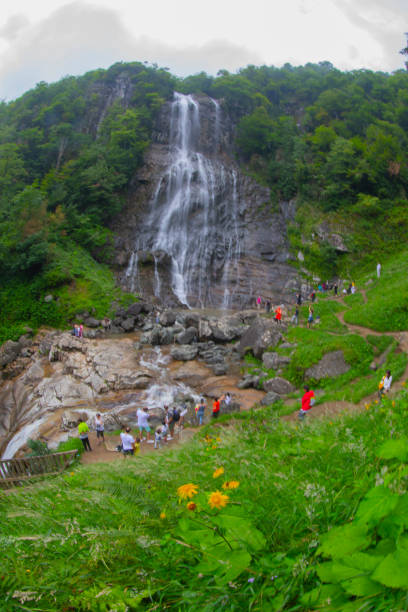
{"type": "Point", "coordinates": [17, 472]}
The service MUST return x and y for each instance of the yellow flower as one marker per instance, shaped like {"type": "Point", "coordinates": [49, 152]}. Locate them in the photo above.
{"type": "Point", "coordinates": [218, 472]}
{"type": "Point", "coordinates": [191, 506]}
{"type": "Point", "coordinates": [376, 402]}
{"type": "Point", "coordinates": [214, 446]}
{"type": "Point", "coordinates": [72, 474]}
{"type": "Point", "coordinates": [187, 491]}
{"type": "Point", "coordinates": [393, 404]}
{"type": "Point", "coordinates": [162, 515]}
{"type": "Point", "coordinates": [231, 484]}
{"type": "Point", "coordinates": [218, 499]}
{"type": "Point", "coordinates": [218, 439]}
{"type": "Point", "coordinates": [28, 571]}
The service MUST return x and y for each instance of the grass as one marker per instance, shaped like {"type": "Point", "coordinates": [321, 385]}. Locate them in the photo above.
{"type": "Point", "coordinates": [113, 537]}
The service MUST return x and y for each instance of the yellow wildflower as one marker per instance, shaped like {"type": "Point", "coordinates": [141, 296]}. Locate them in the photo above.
{"type": "Point", "coordinates": [376, 402]}
{"type": "Point", "coordinates": [214, 446]}
{"type": "Point", "coordinates": [72, 473]}
{"type": "Point", "coordinates": [393, 404]}
{"type": "Point", "coordinates": [218, 439]}
{"type": "Point", "coordinates": [187, 491]}
{"type": "Point", "coordinates": [218, 472]}
{"type": "Point", "coordinates": [218, 500]}
{"type": "Point", "coordinates": [162, 515]}
{"type": "Point", "coordinates": [191, 506]}
{"type": "Point", "coordinates": [231, 484]}
{"type": "Point", "coordinates": [28, 571]}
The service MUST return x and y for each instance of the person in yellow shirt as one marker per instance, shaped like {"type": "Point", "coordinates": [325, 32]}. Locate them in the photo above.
{"type": "Point", "coordinates": [83, 431]}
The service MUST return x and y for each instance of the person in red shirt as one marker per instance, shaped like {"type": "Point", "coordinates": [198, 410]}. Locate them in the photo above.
{"type": "Point", "coordinates": [216, 408]}
{"type": "Point", "coordinates": [308, 401]}
{"type": "Point", "coordinates": [278, 315]}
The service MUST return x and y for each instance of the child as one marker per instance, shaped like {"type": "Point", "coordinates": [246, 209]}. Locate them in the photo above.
{"type": "Point", "coordinates": [136, 448]}
{"type": "Point", "coordinates": [158, 437]}
{"type": "Point", "coordinates": [100, 428]}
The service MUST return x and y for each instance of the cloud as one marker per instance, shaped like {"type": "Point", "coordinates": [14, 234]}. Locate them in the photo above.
{"type": "Point", "coordinates": [80, 37]}
{"type": "Point", "coordinates": [383, 20]}
{"type": "Point", "coordinates": [13, 26]}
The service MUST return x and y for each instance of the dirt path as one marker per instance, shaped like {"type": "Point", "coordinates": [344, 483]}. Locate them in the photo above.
{"type": "Point", "coordinates": [106, 453]}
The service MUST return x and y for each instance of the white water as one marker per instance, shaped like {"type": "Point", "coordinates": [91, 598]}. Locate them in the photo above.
{"type": "Point", "coordinates": [194, 212]}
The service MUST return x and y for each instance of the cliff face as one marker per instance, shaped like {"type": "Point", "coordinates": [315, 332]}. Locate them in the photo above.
{"type": "Point", "coordinates": [196, 230]}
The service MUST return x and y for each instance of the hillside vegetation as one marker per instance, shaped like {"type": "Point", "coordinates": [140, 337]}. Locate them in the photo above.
{"type": "Point", "coordinates": [336, 141]}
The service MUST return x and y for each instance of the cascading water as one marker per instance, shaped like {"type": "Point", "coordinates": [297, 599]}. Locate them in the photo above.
{"type": "Point", "coordinates": [193, 214]}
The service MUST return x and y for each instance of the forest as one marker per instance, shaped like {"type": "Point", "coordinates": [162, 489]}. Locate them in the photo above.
{"type": "Point", "coordinates": [334, 141]}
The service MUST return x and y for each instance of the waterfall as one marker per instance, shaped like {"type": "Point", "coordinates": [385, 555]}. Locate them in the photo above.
{"type": "Point", "coordinates": [193, 212]}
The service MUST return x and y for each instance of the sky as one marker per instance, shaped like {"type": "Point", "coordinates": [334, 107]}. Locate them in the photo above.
{"type": "Point", "coordinates": [44, 40]}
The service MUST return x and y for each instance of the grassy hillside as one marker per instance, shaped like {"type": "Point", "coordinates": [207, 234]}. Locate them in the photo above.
{"type": "Point", "coordinates": [119, 536]}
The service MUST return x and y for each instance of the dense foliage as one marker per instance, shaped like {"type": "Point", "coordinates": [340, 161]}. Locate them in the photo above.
{"type": "Point", "coordinates": [337, 141]}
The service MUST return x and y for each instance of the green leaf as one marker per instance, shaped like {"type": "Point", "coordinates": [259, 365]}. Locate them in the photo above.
{"type": "Point", "coordinates": [236, 562]}
{"type": "Point", "coordinates": [241, 530]}
{"type": "Point", "coordinates": [394, 449]}
{"type": "Point", "coordinates": [326, 595]}
{"type": "Point", "coordinates": [378, 502]}
{"type": "Point", "coordinates": [362, 561]}
{"type": "Point", "coordinates": [344, 540]}
{"type": "Point", "coordinates": [393, 570]}
{"type": "Point", "coordinates": [362, 586]}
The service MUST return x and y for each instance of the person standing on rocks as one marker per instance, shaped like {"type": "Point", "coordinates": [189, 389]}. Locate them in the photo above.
{"type": "Point", "coordinates": [83, 431]}
{"type": "Point", "coordinates": [258, 302]}
{"type": "Point", "coordinates": [278, 315]}
{"type": "Point", "coordinates": [143, 424]}
{"type": "Point", "coordinates": [308, 400]}
{"type": "Point", "coordinates": [100, 428]}
{"type": "Point", "coordinates": [216, 408]}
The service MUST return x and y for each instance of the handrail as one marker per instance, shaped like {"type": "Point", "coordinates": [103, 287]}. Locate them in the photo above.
{"type": "Point", "coordinates": [15, 472]}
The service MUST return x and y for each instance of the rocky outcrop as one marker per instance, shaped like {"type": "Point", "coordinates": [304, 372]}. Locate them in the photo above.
{"type": "Point", "coordinates": [278, 385]}
{"type": "Point", "coordinates": [331, 365]}
{"type": "Point", "coordinates": [262, 334]}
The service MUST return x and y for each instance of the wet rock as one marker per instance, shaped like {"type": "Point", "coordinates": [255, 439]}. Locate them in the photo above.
{"type": "Point", "coordinates": [184, 352]}
{"type": "Point", "coordinates": [128, 324]}
{"type": "Point", "coordinates": [132, 380]}
{"type": "Point", "coordinates": [192, 374]}
{"type": "Point", "coordinates": [187, 336]}
{"type": "Point", "coordinates": [278, 385]}
{"type": "Point", "coordinates": [227, 329]}
{"type": "Point", "coordinates": [270, 398]}
{"type": "Point", "coordinates": [261, 335]}
{"type": "Point", "coordinates": [331, 365]}
{"type": "Point", "coordinates": [204, 330]}
{"type": "Point", "coordinates": [168, 317]}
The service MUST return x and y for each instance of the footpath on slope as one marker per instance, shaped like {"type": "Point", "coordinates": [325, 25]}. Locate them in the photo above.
{"type": "Point", "coordinates": [335, 407]}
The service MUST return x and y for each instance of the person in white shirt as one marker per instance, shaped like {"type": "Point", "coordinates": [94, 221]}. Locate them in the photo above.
{"type": "Point", "coordinates": [378, 270]}
{"type": "Point", "coordinates": [128, 442]}
{"type": "Point", "coordinates": [143, 423]}
{"type": "Point", "coordinates": [385, 384]}
{"type": "Point", "coordinates": [100, 428]}
{"type": "Point", "coordinates": [158, 437]}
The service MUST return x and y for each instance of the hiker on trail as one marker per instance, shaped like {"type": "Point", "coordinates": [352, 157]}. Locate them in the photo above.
{"type": "Point", "coordinates": [378, 270]}
{"type": "Point", "coordinates": [385, 384]}
{"type": "Point", "coordinates": [216, 408]}
{"type": "Point", "coordinates": [166, 421]}
{"type": "Point", "coordinates": [227, 399]}
{"type": "Point", "coordinates": [183, 414]}
{"type": "Point", "coordinates": [100, 428]}
{"type": "Point", "coordinates": [83, 431]}
{"type": "Point", "coordinates": [336, 289]}
{"type": "Point", "coordinates": [353, 288]}
{"type": "Point", "coordinates": [258, 302]}
{"type": "Point", "coordinates": [278, 315]}
{"type": "Point", "coordinates": [295, 318]}
{"type": "Point", "coordinates": [128, 442]}
{"type": "Point", "coordinates": [308, 401]}
{"type": "Point", "coordinates": [313, 296]}
{"type": "Point", "coordinates": [200, 411]}
{"type": "Point", "coordinates": [268, 306]}
{"type": "Point", "coordinates": [143, 424]}
{"type": "Point", "coordinates": [310, 317]}
{"type": "Point", "coordinates": [299, 299]}
{"type": "Point", "coordinates": [175, 418]}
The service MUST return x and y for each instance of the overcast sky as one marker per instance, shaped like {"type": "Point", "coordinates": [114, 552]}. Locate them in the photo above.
{"type": "Point", "coordinates": [43, 40]}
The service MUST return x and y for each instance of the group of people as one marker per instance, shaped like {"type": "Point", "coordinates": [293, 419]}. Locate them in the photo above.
{"type": "Point", "coordinates": [78, 331]}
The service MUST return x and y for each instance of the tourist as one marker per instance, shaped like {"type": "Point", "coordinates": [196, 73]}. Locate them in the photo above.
{"type": "Point", "coordinates": [258, 302]}
{"type": "Point", "coordinates": [128, 442]}
{"type": "Point", "coordinates": [227, 399]}
{"type": "Point", "coordinates": [143, 424]}
{"type": "Point", "coordinates": [183, 414]}
{"type": "Point", "coordinates": [295, 318]}
{"type": "Point", "coordinates": [336, 288]}
{"type": "Point", "coordinates": [81, 331]}
{"type": "Point", "coordinates": [385, 384]}
{"type": "Point", "coordinates": [349, 289]}
{"type": "Point", "coordinates": [299, 299]}
{"type": "Point", "coordinates": [353, 288]}
{"type": "Point", "coordinates": [83, 431]}
{"type": "Point", "coordinates": [278, 315]}
{"type": "Point", "coordinates": [166, 421]}
{"type": "Point", "coordinates": [158, 437]}
{"type": "Point", "coordinates": [200, 411]}
{"type": "Point", "coordinates": [268, 306]}
{"type": "Point", "coordinates": [216, 408]}
{"type": "Point", "coordinates": [100, 428]}
{"type": "Point", "coordinates": [313, 296]}
{"type": "Point", "coordinates": [378, 270]}
{"type": "Point", "coordinates": [308, 401]}
{"type": "Point", "coordinates": [175, 418]}
{"type": "Point", "coordinates": [310, 317]}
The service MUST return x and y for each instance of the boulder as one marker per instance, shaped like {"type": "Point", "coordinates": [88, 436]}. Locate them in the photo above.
{"type": "Point", "coordinates": [278, 385]}
{"type": "Point", "coordinates": [227, 329]}
{"type": "Point", "coordinates": [270, 398]}
{"type": "Point", "coordinates": [259, 336]}
{"type": "Point", "coordinates": [331, 365]}
{"type": "Point", "coordinates": [128, 324]}
{"type": "Point", "coordinates": [220, 369]}
{"type": "Point", "coordinates": [248, 381]}
{"type": "Point", "coordinates": [184, 352]}
{"type": "Point", "coordinates": [134, 309]}
{"type": "Point", "coordinates": [168, 317]}
{"type": "Point", "coordinates": [91, 322]}
{"type": "Point", "coordinates": [270, 361]}
{"type": "Point", "coordinates": [9, 351]}
{"type": "Point", "coordinates": [132, 380]}
{"type": "Point", "coordinates": [187, 336]}
{"type": "Point", "coordinates": [204, 330]}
